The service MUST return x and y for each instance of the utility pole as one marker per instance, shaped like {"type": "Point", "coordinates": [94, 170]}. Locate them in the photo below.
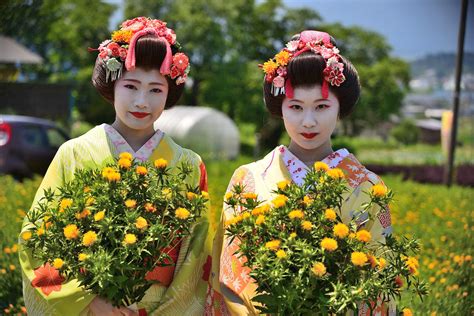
{"type": "Point", "coordinates": [448, 170]}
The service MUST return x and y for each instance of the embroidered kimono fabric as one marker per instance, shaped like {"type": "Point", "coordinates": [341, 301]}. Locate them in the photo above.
{"type": "Point", "coordinates": [232, 288]}
{"type": "Point", "coordinates": [179, 290]}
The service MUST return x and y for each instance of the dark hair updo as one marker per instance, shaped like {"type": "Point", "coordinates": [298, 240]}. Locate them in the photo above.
{"type": "Point", "coordinates": [306, 69]}
{"type": "Point", "coordinates": [150, 52]}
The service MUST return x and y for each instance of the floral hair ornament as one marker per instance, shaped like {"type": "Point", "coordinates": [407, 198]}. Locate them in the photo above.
{"type": "Point", "coordinates": [119, 51]}
{"type": "Point", "coordinates": [317, 42]}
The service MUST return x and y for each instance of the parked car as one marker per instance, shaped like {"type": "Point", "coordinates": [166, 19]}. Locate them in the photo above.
{"type": "Point", "coordinates": [28, 144]}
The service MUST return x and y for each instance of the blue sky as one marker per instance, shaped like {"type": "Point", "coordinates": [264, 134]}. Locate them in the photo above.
{"type": "Point", "coordinates": [413, 28]}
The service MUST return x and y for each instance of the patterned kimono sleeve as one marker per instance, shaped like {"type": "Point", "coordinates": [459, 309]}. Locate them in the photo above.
{"type": "Point", "coordinates": [379, 226]}
{"type": "Point", "coordinates": [45, 291]}
{"type": "Point", "coordinates": [186, 293]}
{"type": "Point", "coordinates": [230, 286]}
{"type": "Point", "coordinates": [381, 221]}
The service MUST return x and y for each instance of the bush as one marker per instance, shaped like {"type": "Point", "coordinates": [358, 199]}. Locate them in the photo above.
{"type": "Point", "coordinates": [342, 142]}
{"type": "Point", "coordinates": [406, 132]}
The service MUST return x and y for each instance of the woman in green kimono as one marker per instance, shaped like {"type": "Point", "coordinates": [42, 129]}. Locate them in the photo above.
{"type": "Point", "coordinates": [310, 86]}
{"type": "Point", "coordinates": [141, 72]}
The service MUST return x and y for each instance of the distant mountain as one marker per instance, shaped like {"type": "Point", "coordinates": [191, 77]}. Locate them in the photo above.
{"type": "Point", "coordinates": [443, 64]}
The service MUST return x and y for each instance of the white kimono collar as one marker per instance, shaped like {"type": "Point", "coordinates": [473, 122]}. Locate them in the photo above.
{"type": "Point", "coordinates": [298, 169]}
{"type": "Point", "coordinates": [121, 145]}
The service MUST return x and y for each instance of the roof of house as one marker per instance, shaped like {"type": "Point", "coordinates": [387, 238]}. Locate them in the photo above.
{"type": "Point", "coordinates": [12, 52]}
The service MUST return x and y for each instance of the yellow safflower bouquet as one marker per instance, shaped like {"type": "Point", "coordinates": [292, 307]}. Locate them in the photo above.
{"type": "Point", "coordinates": [305, 260]}
{"type": "Point", "coordinates": [109, 228]}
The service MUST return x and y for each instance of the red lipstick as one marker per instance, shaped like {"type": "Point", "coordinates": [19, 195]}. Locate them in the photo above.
{"type": "Point", "coordinates": [139, 114]}
{"type": "Point", "coordinates": [309, 135]}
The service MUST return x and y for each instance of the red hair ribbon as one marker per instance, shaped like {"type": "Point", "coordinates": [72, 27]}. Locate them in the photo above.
{"type": "Point", "coordinates": [301, 51]}
{"type": "Point", "coordinates": [289, 89]}
{"type": "Point", "coordinates": [325, 89]}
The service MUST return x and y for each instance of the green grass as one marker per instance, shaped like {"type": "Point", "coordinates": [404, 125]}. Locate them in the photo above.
{"type": "Point", "coordinates": [419, 154]}
{"type": "Point", "coordinates": [15, 199]}
{"type": "Point", "coordinates": [466, 130]}
{"type": "Point", "coordinates": [219, 174]}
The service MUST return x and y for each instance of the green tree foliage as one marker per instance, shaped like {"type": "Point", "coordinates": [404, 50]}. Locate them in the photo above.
{"type": "Point", "coordinates": [60, 31]}
{"type": "Point", "coordinates": [225, 46]}
{"type": "Point", "coordinates": [219, 38]}
{"type": "Point", "coordinates": [360, 46]}
{"type": "Point", "coordinates": [225, 41]}
{"type": "Point", "coordinates": [384, 85]}
{"type": "Point", "coordinates": [384, 79]}
{"type": "Point", "coordinates": [406, 132]}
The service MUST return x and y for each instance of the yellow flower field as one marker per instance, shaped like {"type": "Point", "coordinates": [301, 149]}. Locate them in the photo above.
{"type": "Point", "coordinates": [443, 219]}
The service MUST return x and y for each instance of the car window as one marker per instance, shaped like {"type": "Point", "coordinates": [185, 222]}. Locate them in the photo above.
{"type": "Point", "coordinates": [33, 136]}
{"type": "Point", "coordinates": [55, 138]}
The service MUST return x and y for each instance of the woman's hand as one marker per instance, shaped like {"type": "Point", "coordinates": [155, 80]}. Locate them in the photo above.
{"type": "Point", "coordinates": [100, 307]}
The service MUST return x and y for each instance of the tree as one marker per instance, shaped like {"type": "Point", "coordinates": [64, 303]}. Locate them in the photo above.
{"type": "Point", "coordinates": [200, 25]}
{"type": "Point", "coordinates": [216, 35]}
{"type": "Point", "coordinates": [360, 46]}
{"type": "Point", "coordinates": [225, 41]}
{"type": "Point", "coordinates": [58, 30]}
{"type": "Point", "coordinates": [384, 79]}
{"type": "Point", "coordinates": [61, 31]}
{"type": "Point", "coordinates": [384, 85]}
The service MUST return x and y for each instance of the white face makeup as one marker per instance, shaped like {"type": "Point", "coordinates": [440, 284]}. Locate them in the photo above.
{"type": "Point", "coordinates": [310, 121]}
{"type": "Point", "coordinates": [139, 99]}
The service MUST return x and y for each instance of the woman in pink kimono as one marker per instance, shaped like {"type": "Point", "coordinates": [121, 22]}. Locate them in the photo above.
{"type": "Point", "coordinates": [311, 87]}
{"type": "Point", "coordinates": [141, 72]}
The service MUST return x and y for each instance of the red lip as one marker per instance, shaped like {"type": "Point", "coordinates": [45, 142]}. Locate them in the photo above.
{"type": "Point", "coordinates": [309, 135]}
{"type": "Point", "coordinates": [139, 114]}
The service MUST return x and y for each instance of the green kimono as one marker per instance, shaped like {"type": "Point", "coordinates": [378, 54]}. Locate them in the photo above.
{"type": "Point", "coordinates": [185, 294]}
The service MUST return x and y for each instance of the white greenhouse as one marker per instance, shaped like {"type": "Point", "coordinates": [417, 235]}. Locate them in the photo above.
{"type": "Point", "coordinates": [207, 131]}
